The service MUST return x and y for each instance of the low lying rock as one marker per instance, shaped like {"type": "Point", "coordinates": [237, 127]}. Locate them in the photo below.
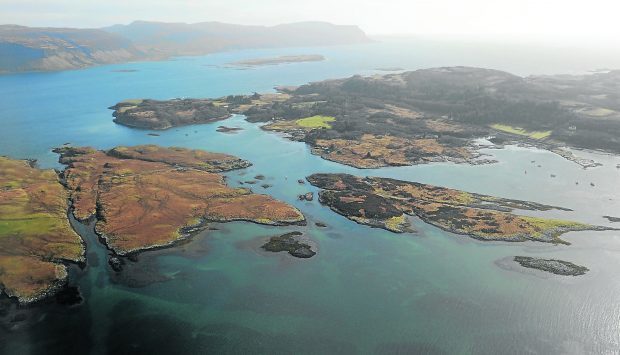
{"type": "Point", "coordinates": [308, 196]}
{"type": "Point", "coordinates": [116, 264]}
{"type": "Point", "coordinates": [558, 267]}
{"type": "Point", "coordinates": [224, 129]}
{"type": "Point", "coordinates": [291, 243]}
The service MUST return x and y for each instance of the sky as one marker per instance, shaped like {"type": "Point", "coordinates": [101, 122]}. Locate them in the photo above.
{"type": "Point", "coordinates": [591, 19]}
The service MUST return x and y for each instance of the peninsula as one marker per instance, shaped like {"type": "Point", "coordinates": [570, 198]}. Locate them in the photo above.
{"type": "Point", "coordinates": [386, 203]}
{"type": "Point", "coordinates": [147, 197]}
{"type": "Point", "coordinates": [159, 115]}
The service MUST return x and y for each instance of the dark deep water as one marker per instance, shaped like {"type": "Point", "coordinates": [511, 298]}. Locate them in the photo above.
{"type": "Point", "coordinates": [367, 290]}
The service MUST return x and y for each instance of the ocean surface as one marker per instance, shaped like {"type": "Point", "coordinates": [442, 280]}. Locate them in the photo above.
{"type": "Point", "coordinates": [367, 290]}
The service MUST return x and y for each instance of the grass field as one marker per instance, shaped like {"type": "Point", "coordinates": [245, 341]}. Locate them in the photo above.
{"type": "Point", "coordinates": [132, 101]}
{"type": "Point", "coordinates": [521, 132]}
{"type": "Point", "coordinates": [316, 122]}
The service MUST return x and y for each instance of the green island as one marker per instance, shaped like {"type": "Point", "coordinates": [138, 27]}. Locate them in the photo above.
{"type": "Point", "coordinates": [141, 197]}
{"type": "Point", "coordinates": [386, 203]}
{"type": "Point", "coordinates": [425, 116]}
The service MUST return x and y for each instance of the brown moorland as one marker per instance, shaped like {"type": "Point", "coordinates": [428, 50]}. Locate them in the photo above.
{"type": "Point", "coordinates": [146, 196]}
{"type": "Point", "coordinates": [35, 234]}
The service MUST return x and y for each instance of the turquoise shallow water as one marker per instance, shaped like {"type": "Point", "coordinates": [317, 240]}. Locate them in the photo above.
{"type": "Point", "coordinates": [367, 290]}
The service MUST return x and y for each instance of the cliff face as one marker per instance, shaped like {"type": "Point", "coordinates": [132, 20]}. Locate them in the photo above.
{"type": "Point", "coordinates": [47, 49]}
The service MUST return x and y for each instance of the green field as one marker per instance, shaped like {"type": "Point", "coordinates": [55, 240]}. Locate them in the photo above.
{"type": "Point", "coordinates": [521, 132]}
{"type": "Point", "coordinates": [132, 101]}
{"type": "Point", "coordinates": [316, 121]}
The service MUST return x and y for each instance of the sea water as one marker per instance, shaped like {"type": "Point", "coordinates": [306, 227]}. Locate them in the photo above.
{"type": "Point", "coordinates": [367, 290]}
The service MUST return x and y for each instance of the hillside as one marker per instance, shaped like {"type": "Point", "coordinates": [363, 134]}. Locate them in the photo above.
{"type": "Point", "coordinates": [205, 37]}
{"type": "Point", "coordinates": [47, 49]}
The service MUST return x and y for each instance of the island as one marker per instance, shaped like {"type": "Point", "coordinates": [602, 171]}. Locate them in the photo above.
{"type": "Point", "coordinates": [147, 197]}
{"type": "Point", "coordinates": [36, 239]}
{"type": "Point", "coordinates": [285, 59]}
{"type": "Point", "coordinates": [292, 243]}
{"type": "Point", "coordinates": [141, 198]}
{"type": "Point", "coordinates": [436, 115]}
{"type": "Point", "coordinates": [554, 266]}
{"type": "Point", "coordinates": [386, 203]}
{"type": "Point", "coordinates": [226, 129]}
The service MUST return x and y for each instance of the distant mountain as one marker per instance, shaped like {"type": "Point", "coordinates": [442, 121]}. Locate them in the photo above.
{"type": "Point", "coordinates": [45, 49]}
{"type": "Point", "coordinates": [205, 37]}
